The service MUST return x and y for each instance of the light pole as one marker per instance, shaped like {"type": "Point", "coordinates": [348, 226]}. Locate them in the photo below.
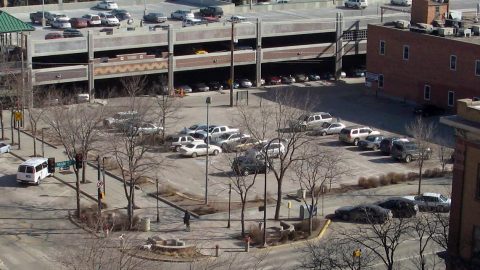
{"type": "Point", "coordinates": [208, 101]}
{"type": "Point", "coordinates": [43, 143]}
{"type": "Point", "coordinates": [232, 71]}
{"type": "Point", "coordinates": [265, 193]}
{"type": "Point", "coordinates": [43, 14]}
{"type": "Point", "coordinates": [103, 175]}
{"type": "Point", "coordinates": [158, 213]}
{"type": "Point", "coordinates": [229, 203]}
{"type": "Point", "coordinates": [144, 7]}
{"type": "Point", "coordinates": [99, 188]}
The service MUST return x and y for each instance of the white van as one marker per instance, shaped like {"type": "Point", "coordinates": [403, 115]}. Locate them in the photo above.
{"type": "Point", "coordinates": [32, 171]}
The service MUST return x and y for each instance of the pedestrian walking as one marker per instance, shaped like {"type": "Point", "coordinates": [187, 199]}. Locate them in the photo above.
{"type": "Point", "coordinates": [186, 220]}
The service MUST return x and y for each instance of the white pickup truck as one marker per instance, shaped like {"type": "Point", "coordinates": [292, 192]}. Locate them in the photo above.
{"type": "Point", "coordinates": [217, 131]}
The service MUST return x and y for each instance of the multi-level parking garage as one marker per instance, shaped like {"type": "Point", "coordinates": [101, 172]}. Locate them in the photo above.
{"type": "Point", "coordinates": [272, 41]}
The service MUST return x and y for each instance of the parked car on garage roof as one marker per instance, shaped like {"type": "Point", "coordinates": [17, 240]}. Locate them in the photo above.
{"type": "Point", "coordinates": [108, 5]}
{"type": "Point", "coordinates": [108, 19]}
{"type": "Point", "coordinates": [54, 35]}
{"type": "Point", "coordinates": [71, 32]}
{"type": "Point", "coordinates": [79, 22]}
{"type": "Point", "coordinates": [182, 15]}
{"type": "Point", "coordinates": [61, 23]}
{"type": "Point", "coordinates": [92, 19]}
{"type": "Point", "coordinates": [155, 17]}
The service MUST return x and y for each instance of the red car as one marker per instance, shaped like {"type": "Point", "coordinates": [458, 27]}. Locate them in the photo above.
{"type": "Point", "coordinates": [54, 35]}
{"type": "Point", "coordinates": [79, 22]}
{"type": "Point", "coordinates": [274, 80]}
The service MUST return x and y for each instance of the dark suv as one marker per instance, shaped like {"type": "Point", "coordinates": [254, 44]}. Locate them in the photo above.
{"type": "Point", "coordinates": [387, 143]}
{"type": "Point", "coordinates": [408, 151]}
{"type": "Point", "coordinates": [247, 165]}
{"type": "Point", "coordinates": [211, 12]}
{"type": "Point", "coordinates": [400, 207]}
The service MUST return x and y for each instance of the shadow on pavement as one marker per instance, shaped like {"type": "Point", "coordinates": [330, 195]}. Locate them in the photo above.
{"type": "Point", "coordinates": [383, 160]}
{"type": "Point", "coordinates": [9, 181]}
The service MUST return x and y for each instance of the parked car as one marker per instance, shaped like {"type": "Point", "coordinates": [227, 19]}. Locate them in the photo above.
{"type": "Point", "coordinates": [201, 87]}
{"type": "Point", "coordinates": [108, 19]}
{"type": "Point", "coordinates": [301, 78]}
{"type": "Point", "coordinates": [401, 2]}
{"type": "Point", "coordinates": [408, 151]}
{"type": "Point", "coordinates": [371, 142]}
{"type": "Point", "coordinates": [216, 131]}
{"type": "Point", "coordinates": [200, 51]}
{"type": "Point", "coordinates": [192, 22]}
{"type": "Point", "coordinates": [82, 98]}
{"type": "Point", "coordinates": [185, 88]}
{"type": "Point", "coordinates": [144, 129]}
{"type": "Point", "coordinates": [274, 150]}
{"type": "Point", "coordinates": [216, 86]}
{"type": "Point", "coordinates": [237, 19]}
{"type": "Point", "coordinates": [359, 4]}
{"type": "Point", "coordinates": [54, 35]}
{"type": "Point", "coordinates": [177, 141]}
{"type": "Point", "coordinates": [108, 5]}
{"type": "Point", "coordinates": [427, 110]}
{"type": "Point", "coordinates": [5, 148]}
{"type": "Point", "coordinates": [92, 19]}
{"type": "Point", "coordinates": [199, 149]}
{"type": "Point", "coordinates": [61, 23]}
{"type": "Point", "coordinates": [242, 144]}
{"type": "Point", "coordinates": [37, 17]}
{"type": "Point", "coordinates": [287, 80]}
{"type": "Point", "coordinates": [78, 23]}
{"type": "Point", "coordinates": [274, 80]}
{"type": "Point", "coordinates": [122, 15]}
{"type": "Point", "coordinates": [314, 77]}
{"type": "Point", "coordinates": [155, 17]}
{"type": "Point", "coordinates": [211, 12]}
{"type": "Point", "coordinates": [327, 76]}
{"type": "Point", "coordinates": [245, 166]}
{"type": "Point", "coordinates": [71, 32]}
{"type": "Point", "coordinates": [368, 213]}
{"type": "Point", "coordinates": [245, 83]}
{"type": "Point", "coordinates": [400, 207]}
{"type": "Point", "coordinates": [431, 202]}
{"type": "Point", "coordinates": [387, 143]}
{"type": "Point", "coordinates": [356, 72]}
{"type": "Point", "coordinates": [327, 129]}
{"type": "Point", "coordinates": [353, 134]}
{"type": "Point", "coordinates": [311, 120]}
{"type": "Point", "coordinates": [236, 84]}
{"type": "Point", "coordinates": [119, 119]}
{"type": "Point", "coordinates": [182, 15]}
{"type": "Point", "coordinates": [227, 138]}
{"type": "Point", "coordinates": [193, 128]}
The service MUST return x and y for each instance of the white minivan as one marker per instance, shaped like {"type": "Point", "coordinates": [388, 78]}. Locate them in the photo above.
{"type": "Point", "coordinates": [32, 171]}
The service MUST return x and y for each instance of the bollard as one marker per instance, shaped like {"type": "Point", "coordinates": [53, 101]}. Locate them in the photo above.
{"type": "Point", "coordinates": [217, 247]}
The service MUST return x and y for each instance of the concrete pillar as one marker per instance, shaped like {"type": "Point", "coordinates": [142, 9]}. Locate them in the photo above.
{"type": "Point", "coordinates": [171, 63]}
{"type": "Point", "coordinates": [259, 53]}
{"type": "Point", "coordinates": [91, 79]}
{"type": "Point", "coordinates": [338, 45]}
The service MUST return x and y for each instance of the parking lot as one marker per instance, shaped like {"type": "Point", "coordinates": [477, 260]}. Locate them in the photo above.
{"type": "Point", "coordinates": [345, 100]}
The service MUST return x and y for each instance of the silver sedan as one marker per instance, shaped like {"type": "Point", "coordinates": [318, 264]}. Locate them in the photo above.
{"type": "Point", "coordinates": [327, 129]}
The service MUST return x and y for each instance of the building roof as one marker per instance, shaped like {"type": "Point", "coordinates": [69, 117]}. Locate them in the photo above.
{"type": "Point", "coordinates": [10, 24]}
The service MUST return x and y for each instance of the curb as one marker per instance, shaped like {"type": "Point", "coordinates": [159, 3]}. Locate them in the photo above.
{"type": "Point", "coordinates": [296, 243]}
{"type": "Point", "coordinates": [68, 184]}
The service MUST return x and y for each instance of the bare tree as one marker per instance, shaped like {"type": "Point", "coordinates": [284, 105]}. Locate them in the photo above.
{"type": "Point", "coordinates": [36, 113]}
{"type": "Point", "coordinates": [313, 171]}
{"type": "Point", "coordinates": [130, 151]}
{"type": "Point", "coordinates": [168, 112]}
{"type": "Point", "coordinates": [421, 231]}
{"type": "Point", "coordinates": [444, 155]}
{"type": "Point", "coordinates": [272, 121]}
{"type": "Point", "coordinates": [76, 128]}
{"type": "Point", "coordinates": [133, 85]}
{"type": "Point", "coordinates": [334, 253]}
{"type": "Point", "coordinates": [380, 239]}
{"type": "Point", "coordinates": [422, 132]}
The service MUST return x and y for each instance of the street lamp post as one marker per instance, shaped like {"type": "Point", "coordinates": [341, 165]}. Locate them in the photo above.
{"type": "Point", "coordinates": [144, 7]}
{"type": "Point", "coordinates": [158, 213]}
{"type": "Point", "coordinates": [265, 193]}
{"type": "Point", "coordinates": [43, 143]}
{"type": "Point", "coordinates": [208, 101]}
{"type": "Point", "coordinates": [229, 203]}
{"type": "Point", "coordinates": [103, 175]}
{"type": "Point", "coordinates": [232, 70]}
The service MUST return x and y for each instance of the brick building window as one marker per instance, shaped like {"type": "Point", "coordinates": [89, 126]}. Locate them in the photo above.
{"type": "Point", "coordinates": [380, 80]}
{"type": "Point", "coordinates": [477, 67]}
{"type": "Point", "coordinates": [451, 98]}
{"type": "Point", "coordinates": [453, 62]}
{"type": "Point", "coordinates": [406, 52]}
{"type": "Point", "coordinates": [381, 50]}
{"type": "Point", "coordinates": [426, 92]}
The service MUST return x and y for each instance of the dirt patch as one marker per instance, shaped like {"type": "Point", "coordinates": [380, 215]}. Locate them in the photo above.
{"type": "Point", "coordinates": [156, 255]}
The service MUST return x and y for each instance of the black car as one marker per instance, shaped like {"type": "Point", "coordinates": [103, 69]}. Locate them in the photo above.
{"type": "Point", "coordinates": [314, 77]}
{"type": "Point", "coordinates": [387, 143]}
{"type": "Point", "coordinates": [408, 151]}
{"type": "Point", "coordinates": [400, 207]}
{"type": "Point", "coordinates": [211, 12]}
{"type": "Point", "coordinates": [356, 72]}
{"type": "Point", "coordinates": [369, 213]}
{"type": "Point", "coordinates": [123, 16]}
{"type": "Point", "coordinates": [287, 80]}
{"type": "Point", "coordinates": [245, 166]}
{"type": "Point", "coordinates": [215, 86]}
{"type": "Point", "coordinates": [427, 110]}
{"type": "Point", "coordinates": [70, 32]}
{"type": "Point", "coordinates": [155, 17]}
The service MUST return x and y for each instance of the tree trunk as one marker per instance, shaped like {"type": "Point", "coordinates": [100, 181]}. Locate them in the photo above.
{"type": "Point", "coordinates": [1, 122]}
{"type": "Point", "coordinates": [34, 135]}
{"type": "Point", "coordinates": [310, 219]}
{"type": "Point", "coordinates": [85, 157]}
{"type": "Point", "coordinates": [279, 200]}
{"type": "Point", "coordinates": [420, 168]}
{"type": "Point", "coordinates": [242, 215]}
{"type": "Point", "coordinates": [77, 189]}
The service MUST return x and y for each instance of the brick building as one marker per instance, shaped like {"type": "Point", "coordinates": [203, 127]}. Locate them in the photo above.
{"type": "Point", "coordinates": [423, 68]}
{"type": "Point", "coordinates": [464, 231]}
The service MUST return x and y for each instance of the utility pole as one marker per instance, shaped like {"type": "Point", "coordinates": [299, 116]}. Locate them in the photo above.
{"type": "Point", "coordinates": [99, 190]}
{"type": "Point", "coordinates": [208, 101]}
{"type": "Point", "coordinates": [232, 71]}
{"type": "Point", "coordinates": [158, 213]}
{"type": "Point", "coordinates": [229, 203]}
